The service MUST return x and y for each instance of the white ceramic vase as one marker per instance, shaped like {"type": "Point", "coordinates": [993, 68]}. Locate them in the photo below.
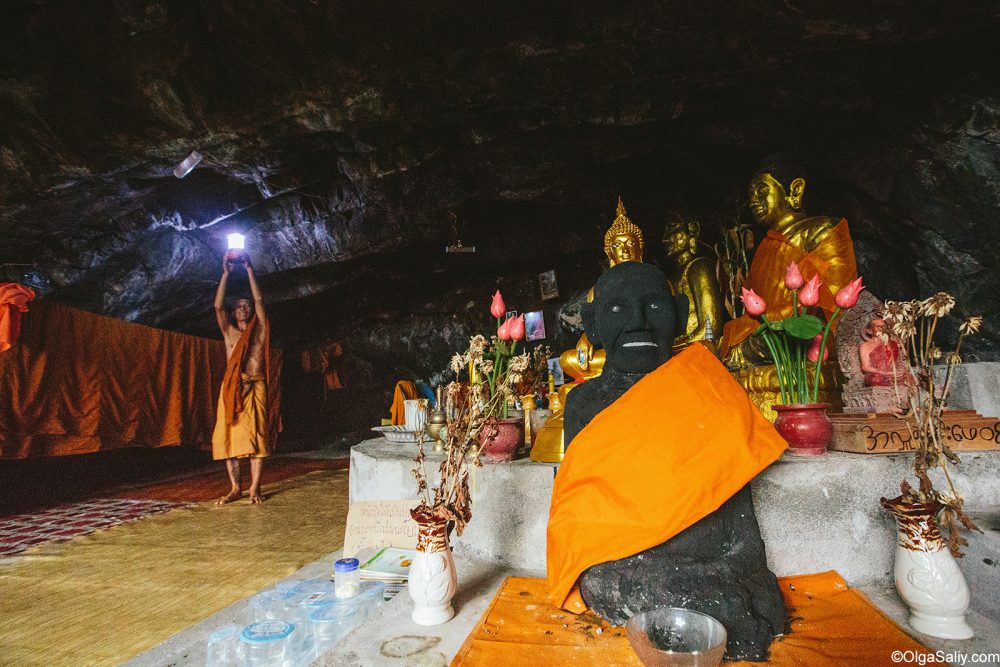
{"type": "Point", "coordinates": [433, 580]}
{"type": "Point", "coordinates": [927, 576]}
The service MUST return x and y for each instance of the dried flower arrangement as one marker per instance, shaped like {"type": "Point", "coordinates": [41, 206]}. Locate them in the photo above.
{"type": "Point", "coordinates": [495, 371]}
{"type": "Point", "coordinates": [915, 324]}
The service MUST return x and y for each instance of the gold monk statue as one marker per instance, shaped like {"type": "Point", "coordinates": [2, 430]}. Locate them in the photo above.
{"type": "Point", "coordinates": [817, 244]}
{"type": "Point", "coordinates": [623, 242]}
{"type": "Point", "coordinates": [693, 275]}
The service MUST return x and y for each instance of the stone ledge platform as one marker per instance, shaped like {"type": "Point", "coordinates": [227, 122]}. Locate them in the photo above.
{"type": "Point", "coordinates": [815, 513]}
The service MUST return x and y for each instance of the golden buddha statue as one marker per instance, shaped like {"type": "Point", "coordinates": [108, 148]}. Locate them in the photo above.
{"type": "Point", "coordinates": [819, 245]}
{"type": "Point", "coordinates": [693, 275]}
{"type": "Point", "coordinates": [623, 242]}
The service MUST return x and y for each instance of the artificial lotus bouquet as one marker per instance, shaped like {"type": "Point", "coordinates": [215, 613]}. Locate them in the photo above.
{"type": "Point", "coordinates": [798, 343]}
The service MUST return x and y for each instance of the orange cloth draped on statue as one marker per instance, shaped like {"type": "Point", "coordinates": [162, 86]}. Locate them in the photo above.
{"type": "Point", "coordinates": [78, 382]}
{"type": "Point", "coordinates": [832, 260]}
{"type": "Point", "coordinates": [405, 390]}
{"type": "Point", "coordinates": [243, 424]}
{"type": "Point", "coordinates": [670, 451]}
{"type": "Point", "coordinates": [14, 300]}
{"type": "Point", "coordinates": [831, 625]}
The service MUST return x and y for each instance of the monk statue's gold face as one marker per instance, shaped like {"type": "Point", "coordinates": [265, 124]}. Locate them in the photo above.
{"type": "Point", "coordinates": [625, 248]}
{"type": "Point", "coordinates": [680, 238]}
{"type": "Point", "coordinates": [769, 201]}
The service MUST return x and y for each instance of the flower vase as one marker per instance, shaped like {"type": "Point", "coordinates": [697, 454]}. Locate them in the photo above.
{"type": "Point", "coordinates": [927, 576]}
{"type": "Point", "coordinates": [805, 426]}
{"type": "Point", "coordinates": [432, 581]}
{"type": "Point", "coordinates": [500, 438]}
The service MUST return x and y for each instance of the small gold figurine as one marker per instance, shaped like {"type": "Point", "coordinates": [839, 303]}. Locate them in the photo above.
{"type": "Point", "coordinates": [693, 275]}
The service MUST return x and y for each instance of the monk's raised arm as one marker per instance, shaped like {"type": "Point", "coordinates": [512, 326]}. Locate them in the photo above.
{"type": "Point", "coordinates": [258, 299]}
{"type": "Point", "coordinates": [220, 297]}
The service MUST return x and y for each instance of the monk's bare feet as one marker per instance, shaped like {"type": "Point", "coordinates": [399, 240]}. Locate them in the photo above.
{"type": "Point", "coordinates": [256, 498]}
{"type": "Point", "coordinates": [235, 494]}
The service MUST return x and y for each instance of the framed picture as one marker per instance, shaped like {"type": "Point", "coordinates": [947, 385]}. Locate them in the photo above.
{"type": "Point", "coordinates": [548, 285]}
{"type": "Point", "coordinates": [534, 325]}
{"type": "Point", "coordinates": [510, 314]}
{"type": "Point", "coordinates": [556, 370]}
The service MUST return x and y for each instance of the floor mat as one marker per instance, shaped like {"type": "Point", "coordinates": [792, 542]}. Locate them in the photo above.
{"type": "Point", "coordinates": [213, 485]}
{"type": "Point", "coordinates": [102, 598]}
{"type": "Point", "coordinates": [832, 625]}
{"type": "Point", "coordinates": [20, 531]}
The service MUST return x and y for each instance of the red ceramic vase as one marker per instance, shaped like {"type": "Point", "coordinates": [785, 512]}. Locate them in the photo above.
{"type": "Point", "coordinates": [500, 439]}
{"type": "Point", "coordinates": [805, 426]}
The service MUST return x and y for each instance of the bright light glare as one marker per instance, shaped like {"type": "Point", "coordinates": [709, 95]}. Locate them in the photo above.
{"type": "Point", "coordinates": [235, 241]}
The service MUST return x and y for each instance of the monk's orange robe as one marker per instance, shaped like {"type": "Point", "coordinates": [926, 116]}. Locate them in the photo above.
{"type": "Point", "coordinates": [243, 421]}
{"type": "Point", "coordinates": [405, 390]}
{"type": "Point", "coordinates": [833, 260]}
{"type": "Point", "coordinates": [670, 451]}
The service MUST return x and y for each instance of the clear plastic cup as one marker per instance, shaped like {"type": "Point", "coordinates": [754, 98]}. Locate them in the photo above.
{"type": "Point", "coordinates": [346, 577]}
{"type": "Point", "coordinates": [331, 622]}
{"type": "Point", "coordinates": [224, 648]}
{"type": "Point", "coordinates": [266, 644]}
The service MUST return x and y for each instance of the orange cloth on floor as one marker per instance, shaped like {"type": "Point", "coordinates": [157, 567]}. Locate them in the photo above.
{"type": "Point", "coordinates": [832, 260]}
{"type": "Point", "coordinates": [14, 300]}
{"type": "Point", "coordinates": [671, 450]}
{"type": "Point", "coordinates": [832, 626]}
{"type": "Point", "coordinates": [405, 391]}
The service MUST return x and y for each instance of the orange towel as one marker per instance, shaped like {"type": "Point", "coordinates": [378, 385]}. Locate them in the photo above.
{"type": "Point", "coordinates": [14, 300]}
{"type": "Point", "coordinates": [832, 626]}
{"type": "Point", "coordinates": [405, 390]}
{"type": "Point", "coordinates": [670, 451]}
{"type": "Point", "coordinates": [833, 260]}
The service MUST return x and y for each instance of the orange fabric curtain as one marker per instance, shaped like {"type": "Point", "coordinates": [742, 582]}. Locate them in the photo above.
{"type": "Point", "coordinates": [78, 382]}
{"type": "Point", "coordinates": [833, 261]}
{"type": "Point", "coordinates": [671, 450]}
{"type": "Point", "coordinates": [14, 300]}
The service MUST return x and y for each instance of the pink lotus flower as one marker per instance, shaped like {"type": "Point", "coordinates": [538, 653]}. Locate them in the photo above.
{"type": "Point", "coordinates": [809, 295]}
{"type": "Point", "coordinates": [755, 305]}
{"type": "Point", "coordinates": [498, 307]}
{"type": "Point", "coordinates": [793, 277]}
{"type": "Point", "coordinates": [503, 333]}
{"type": "Point", "coordinates": [516, 328]}
{"type": "Point", "coordinates": [813, 353]}
{"type": "Point", "coordinates": [848, 294]}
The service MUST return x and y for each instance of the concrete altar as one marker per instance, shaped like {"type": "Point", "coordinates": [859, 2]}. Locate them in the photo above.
{"type": "Point", "coordinates": [815, 514]}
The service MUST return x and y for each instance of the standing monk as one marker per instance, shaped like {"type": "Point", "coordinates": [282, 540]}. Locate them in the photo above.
{"type": "Point", "coordinates": [241, 424]}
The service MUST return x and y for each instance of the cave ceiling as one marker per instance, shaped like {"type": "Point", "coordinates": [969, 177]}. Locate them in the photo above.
{"type": "Point", "coordinates": [340, 136]}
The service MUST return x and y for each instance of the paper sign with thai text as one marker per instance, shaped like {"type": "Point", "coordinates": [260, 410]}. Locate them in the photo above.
{"type": "Point", "coordinates": [380, 523]}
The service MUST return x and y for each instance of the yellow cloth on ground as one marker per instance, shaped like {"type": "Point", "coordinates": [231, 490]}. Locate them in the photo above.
{"type": "Point", "coordinates": [831, 626]}
{"type": "Point", "coordinates": [248, 435]}
{"type": "Point", "coordinates": [405, 390]}
{"type": "Point", "coordinates": [102, 598]}
{"type": "Point", "coordinates": [833, 260]}
{"type": "Point", "coordinates": [671, 450]}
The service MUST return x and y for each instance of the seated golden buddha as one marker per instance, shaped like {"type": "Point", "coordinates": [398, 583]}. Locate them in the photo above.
{"type": "Point", "coordinates": [693, 275]}
{"type": "Point", "coordinates": [819, 245]}
{"type": "Point", "coordinates": [623, 242]}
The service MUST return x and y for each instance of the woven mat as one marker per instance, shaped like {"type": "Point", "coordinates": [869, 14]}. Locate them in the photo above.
{"type": "Point", "coordinates": [102, 598]}
{"type": "Point", "coordinates": [832, 626]}
{"type": "Point", "coordinates": [212, 485]}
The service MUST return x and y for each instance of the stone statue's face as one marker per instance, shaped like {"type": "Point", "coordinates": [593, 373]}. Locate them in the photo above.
{"type": "Point", "coordinates": [768, 201]}
{"type": "Point", "coordinates": [624, 248]}
{"type": "Point", "coordinates": [676, 240]}
{"type": "Point", "coordinates": [634, 317]}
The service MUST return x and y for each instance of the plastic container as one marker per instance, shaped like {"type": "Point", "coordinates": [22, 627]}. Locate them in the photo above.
{"type": "Point", "coordinates": [224, 649]}
{"type": "Point", "coordinates": [335, 620]}
{"type": "Point", "coordinates": [675, 637]}
{"type": "Point", "coordinates": [346, 577]}
{"type": "Point", "coordinates": [267, 644]}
